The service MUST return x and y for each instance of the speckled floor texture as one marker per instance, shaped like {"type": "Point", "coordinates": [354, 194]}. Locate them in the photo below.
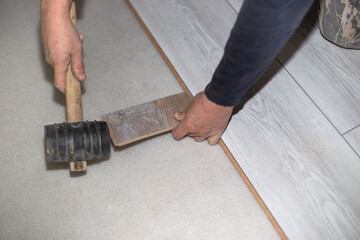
{"type": "Point", "coordinates": [155, 189]}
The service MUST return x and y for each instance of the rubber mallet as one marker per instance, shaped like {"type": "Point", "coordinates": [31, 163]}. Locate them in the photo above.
{"type": "Point", "coordinates": [76, 141]}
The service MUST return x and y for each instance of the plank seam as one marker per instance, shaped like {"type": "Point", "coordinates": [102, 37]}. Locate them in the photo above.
{"type": "Point", "coordinates": [222, 144]}
{"type": "Point", "coordinates": [231, 6]}
{"type": "Point", "coordinates": [342, 135]}
{"type": "Point", "coordinates": [351, 129]}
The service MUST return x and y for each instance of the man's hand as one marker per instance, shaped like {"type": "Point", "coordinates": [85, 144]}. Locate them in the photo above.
{"type": "Point", "coordinates": [202, 120]}
{"type": "Point", "coordinates": [61, 41]}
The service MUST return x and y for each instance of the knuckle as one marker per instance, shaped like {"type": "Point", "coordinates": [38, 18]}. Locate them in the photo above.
{"type": "Point", "coordinates": [189, 125]}
{"type": "Point", "coordinates": [78, 66]}
{"type": "Point", "coordinates": [52, 59]}
{"type": "Point", "coordinates": [77, 61]}
{"type": "Point", "coordinates": [197, 125]}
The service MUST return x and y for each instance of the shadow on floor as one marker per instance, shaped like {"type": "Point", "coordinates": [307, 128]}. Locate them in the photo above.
{"type": "Point", "coordinates": [53, 166]}
{"type": "Point", "coordinates": [130, 145]}
{"type": "Point", "coordinates": [297, 40]}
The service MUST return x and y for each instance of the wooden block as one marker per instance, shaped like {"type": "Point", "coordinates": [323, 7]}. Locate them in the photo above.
{"type": "Point", "coordinates": [145, 120]}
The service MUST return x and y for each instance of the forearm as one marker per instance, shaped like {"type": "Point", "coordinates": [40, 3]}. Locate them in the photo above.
{"type": "Point", "coordinates": [260, 31]}
{"type": "Point", "coordinates": [56, 10]}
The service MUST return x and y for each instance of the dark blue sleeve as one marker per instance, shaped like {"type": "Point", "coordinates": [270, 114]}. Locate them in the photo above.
{"type": "Point", "coordinates": [262, 28]}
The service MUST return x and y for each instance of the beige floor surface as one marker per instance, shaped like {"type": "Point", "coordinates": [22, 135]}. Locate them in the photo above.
{"type": "Point", "coordinates": [156, 189]}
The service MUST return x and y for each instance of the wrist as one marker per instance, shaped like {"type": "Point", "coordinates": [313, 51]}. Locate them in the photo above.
{"type": "Point", "coordinates": [215, 107]}
{"type": "Point", "coordinates": [216, 98]}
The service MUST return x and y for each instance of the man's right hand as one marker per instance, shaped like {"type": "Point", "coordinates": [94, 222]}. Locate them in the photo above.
{"type": "Point", "coordinates": [61, 41]}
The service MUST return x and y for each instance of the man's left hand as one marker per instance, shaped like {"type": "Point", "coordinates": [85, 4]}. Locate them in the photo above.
{"type": "Point", "coordinates": [202, 120]}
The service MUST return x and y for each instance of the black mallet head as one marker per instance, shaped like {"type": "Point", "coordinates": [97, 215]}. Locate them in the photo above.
{"type": "Point", "coordinates": [75, 142]}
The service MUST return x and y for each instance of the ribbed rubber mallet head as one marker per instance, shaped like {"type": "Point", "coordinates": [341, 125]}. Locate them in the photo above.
{"type": "Point", "coordinates": [74, 142]}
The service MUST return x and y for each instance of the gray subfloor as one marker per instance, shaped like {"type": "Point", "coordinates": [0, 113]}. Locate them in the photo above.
{"type": "Point", "coordinates": [156, 189]}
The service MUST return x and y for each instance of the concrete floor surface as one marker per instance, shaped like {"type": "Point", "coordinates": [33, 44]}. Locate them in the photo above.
{"type": "Point", "coordinates": [156, 189]}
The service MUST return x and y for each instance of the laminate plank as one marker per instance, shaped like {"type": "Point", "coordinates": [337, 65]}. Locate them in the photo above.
{"type": "Point", "coordinates": [145, 120]}
{"type": "Point", "coordinates": [196, 27]}
{"type": "Point", "coordinates": [299, 164]}
{"type": "Point", "coordinates": [303, 170]}
{"type": "Point", "coordinates": [329, 74]}
{"type": "Point", "coordinates": [353, 138]}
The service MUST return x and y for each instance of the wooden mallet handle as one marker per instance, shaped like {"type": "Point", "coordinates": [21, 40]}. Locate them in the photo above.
{"type": "Point", "coordinates": [73, 100]}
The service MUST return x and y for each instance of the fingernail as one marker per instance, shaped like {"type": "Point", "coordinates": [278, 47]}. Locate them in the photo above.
{"type": "Point", "coordinates": [82, 77]}
{"type": "Point", "coordinates": [177, 116]}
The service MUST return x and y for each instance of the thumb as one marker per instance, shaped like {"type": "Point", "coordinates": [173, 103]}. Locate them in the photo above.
{"type": "Point", "coordinates": [77, 66]}
{"type": "Point", "coordinates": [214, 139]}
{"type": "Point", "coordinates": [179, 116]}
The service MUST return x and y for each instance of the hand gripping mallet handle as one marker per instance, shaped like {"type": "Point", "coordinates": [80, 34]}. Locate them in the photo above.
{"type": "Point", "coordinates": [76, 141]}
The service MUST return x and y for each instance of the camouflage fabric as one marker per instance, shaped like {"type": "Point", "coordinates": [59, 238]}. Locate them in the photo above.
{"type": "Point", "coordinates": [339, 22]}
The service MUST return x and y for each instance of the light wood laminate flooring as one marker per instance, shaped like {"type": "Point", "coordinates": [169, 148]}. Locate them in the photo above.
{"type": "Point", "coordinates": [287, 138]}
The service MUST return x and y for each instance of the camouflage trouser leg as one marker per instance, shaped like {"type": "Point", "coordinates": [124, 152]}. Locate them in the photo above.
{"type": "Point", "coordinates": [339, 22]}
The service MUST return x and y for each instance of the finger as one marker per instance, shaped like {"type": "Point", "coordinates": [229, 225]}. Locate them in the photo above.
{"type": "Point", "coordinates": [199, 139]}
{"type": "Point", "coordinates": [213, 140]}
{"type": "Point", "coordinates": [81, 37]}
{"type": "Point", "coordinates": [180, 131]}
{"type": "Point", "coordinates": [77, 66]}
{"type": "Point", "coordinates": [59, 78]}
{"type": "Point", "coordinates": [179, 116]}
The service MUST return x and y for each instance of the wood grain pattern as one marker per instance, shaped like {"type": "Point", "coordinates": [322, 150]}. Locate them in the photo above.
{"type": "Point", "coordinates": [304, 171]}
{"type": "Point", "coordinates": [299, 164]}
{"type": "Point", "coordinates": [145, 120]}
{"type": "Point", "coordinates": [353, 138]}
{"type": "Point", "coordinates": [329, 74]}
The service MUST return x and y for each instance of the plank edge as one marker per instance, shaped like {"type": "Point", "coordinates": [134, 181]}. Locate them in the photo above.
{"type": "Point", "coordinates": [143, 137]}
